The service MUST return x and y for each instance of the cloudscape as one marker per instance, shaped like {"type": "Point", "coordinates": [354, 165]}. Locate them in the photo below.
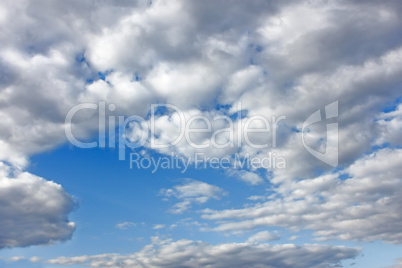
{"type": "Point", "coordinates": [181, 133]}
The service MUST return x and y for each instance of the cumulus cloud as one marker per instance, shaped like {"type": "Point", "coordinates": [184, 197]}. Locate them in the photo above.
{"type": "Point", "coordinates": [287, 58]}
{"type": "Point", "coordinates": [364, 206]}
{"type": "Point", "coordinates": [34, 211]}
{"type": "Point", "coordinates": [134, 54]}
{"type": "Point", "coordinates": [158, 226]}
{"type": "Point", "coordinates": [187, 253]}
{"type": "Point", "coordinates": [191, 191]}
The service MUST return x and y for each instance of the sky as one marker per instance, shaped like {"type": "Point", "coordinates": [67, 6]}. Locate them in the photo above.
{"type": "Point", "coordinates": [201, 133]}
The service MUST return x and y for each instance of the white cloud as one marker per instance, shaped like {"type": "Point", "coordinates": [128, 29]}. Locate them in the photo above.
{"type": "Point", "coordinates": [34, 211]}
{"type": "Point", "coordinates": [158, 226]}
{"type": "Point", "coordinates": [191, 191]}
{"type": "Point", "coordinates": [16, 258]}
{"type": "Point", "coordinates": [186, 223]}
{"type": "Point", "coordinates": [187, 253]}
{"type": "Point", "coordinates": [365, 206]}
{"type": "Point", "coordinates": [256, 197]}
{"type": "Point", "coordinates": [264, 236]}
{"type": "Point", "coordinates": [276, 58]}
{"type": "Point", "coordinates": [125, 225]}
{"type": "Point", "coordinates": [293, 237]}
{"type": "Point", "coordinates": [35, 259]}
{"type": "Point", "coordinates": [293, 68]}
{"type": "Point", "coordinates": [247, 176]}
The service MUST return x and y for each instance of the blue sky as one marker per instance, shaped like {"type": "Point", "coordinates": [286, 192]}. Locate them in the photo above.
{"type": "Point", "coordinates": [107, 193]}
{"type": "Point", "coordinates": [200, 134]}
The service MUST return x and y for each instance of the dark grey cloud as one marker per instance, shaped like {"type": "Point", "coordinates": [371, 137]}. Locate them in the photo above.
{"type": "Point", "coordinates": [33, 211]}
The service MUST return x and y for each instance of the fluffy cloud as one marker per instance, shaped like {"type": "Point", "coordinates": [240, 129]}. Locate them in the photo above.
{"type": "Point", "coordinates": [365, 205]}
{"type": "Point", "coordinates": [291, 55]}
{"type": "Point", "coordinates": [247, 176]}
{"type": "Point", "coordinates": [34, 211]}
{"type": "Point", "coordinates": [191, 191]}
{"type": "Point", "coordinates": [277, 58]}
{"type": "Point", "coordinates": [187, 253]}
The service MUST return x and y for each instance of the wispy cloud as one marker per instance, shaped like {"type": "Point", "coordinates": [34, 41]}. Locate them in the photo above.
{"type": "Point", "coordinates": [125, 225]}
{"type": "Point", "coordinates": [191, 191]}
{"type": "Point", "coordinates": [198, 254]}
